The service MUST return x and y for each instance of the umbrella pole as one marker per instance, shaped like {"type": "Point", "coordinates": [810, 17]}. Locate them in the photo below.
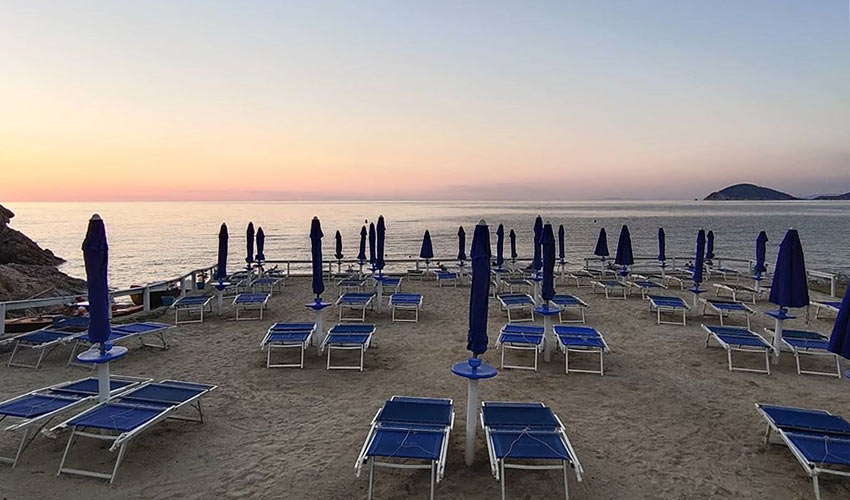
{"type": "Point", "coordinates": [471, 420]}
{"type": "Point", "coordinates": [103, 382]}
{"type": "Point", "coordinates": [548, 341]}
{"type": "Point", "coordinates": [320, 332]}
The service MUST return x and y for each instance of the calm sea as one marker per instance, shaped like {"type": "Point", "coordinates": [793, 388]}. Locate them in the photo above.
{"type": "Point", "coordinates": [152, 241]}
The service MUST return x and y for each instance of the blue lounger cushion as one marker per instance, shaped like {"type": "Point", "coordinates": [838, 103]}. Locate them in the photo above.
{"type": "Point", "coordinates": [648, 284]}
{"type": "Point", "coordinates": [416, 412]}
{"type": "Point", "coordinates": [738, 336]}
{"type": "Point", "coordinates": [353, 329]}
{"type": "Point", "coordinates": [665, 301]}
{"type": "Point", "coordinates": [36, 405]}
{"type": "Point", "coordinates": [292, 327]}
{"type": "Point", "coordinates": [356, 298]}
{"type": "Point", "coordinates": [521, 334]}
{"type": "Point", "coordinates": [297, 337]}
{"type": "Point", "coordinates": [250, 298]}
{"type": "Point", "coordinates": [528, 444]}
{"type": "Point", "coordinates": [513, 299]}
{"type": "Point", "coordinates": [132, 328]}
{"type": "Point", "coordinates": [822, 449]}
{"type": "Point", "coordinates": [423, 444]}
{"type": "Point", "coordinates": [519, 416]}
{"type": "Point", "coordinates": [120, 417]}
{"type": "Point", "coordinates": [802, 420]}
{"type": "Point", "coordinates": [45, 336]}
{"type": "Point", "coordinates": [803, 339]}
{"type": "Point", "coordinates": [611, 283]}
{"type": "Point", "coordinates": [728, 305]}
{"type": "Point", "coordinates": [567, 300]}
{"type": "Point", "coordinates": [89, 387]}
{"type": "Point", "coordinates": [406, 298]}
{"type": "Point", "coordinates": [347, 338]}
{"type": "Point", "coordinates": [390, 282]}
{"type": "Point", "coordinates": [164, 393]}
{"type": "Point", "coordinates": [197, 300]}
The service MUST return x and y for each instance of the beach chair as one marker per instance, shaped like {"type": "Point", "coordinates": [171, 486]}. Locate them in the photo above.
{"type": "Point", "coordinates": [416, 274]}
{"type": "Point", "coordinates": [519, 285]}
{"type": "Point", "coordinates": [520, 338]}
{"type": "Point", "coordinates": [197, 304]}
{"type": "Point", "coordinates": [517, 302]}
{"type": "Point", "coordinates": [581, 339]}
{"type": "Point", "coordinates": [645, 286]}
{"type": "Point", "coordinates": [670, 280]}
{"type": "Point", "coordinates": [566, 301]}
{"type": "Point", "coordinates": [735, 291]}
{"type": "Point", "coordinates": [819, 440]}
{"type": "Point", "coordinates": [125, 417]}
{"type": "Point", "coordinates": [802, 342]}
{"type": "Point", "coordinates": [248, 301]}
{"type": "Point", "coordinates": [726, 308]}
{"type": "Point", "coordinates": [825, 305]}
{"type": "Point", "coordinates": [28, 413]}
{"type": "Point", "coordinates": [740, 339]}
{"type": "Point", "coordinates": [350, 285]}
{"type": "Point", "coordinates": [287, 336]}
{"type": "Point", "coordinates": [123, 333]}
{"type": "Point", "coordinates": [447, 277]}
{"type": "Point", "coordinates": [391, 284]}
{"type": "Point", "coordinates": [278, 274]}
{"type": "Point", "coordinates": [43, 341]}
{"type": "Point", "coordinates": [609, 286]}
{"type": "Point", "coordinates": [348, 337]}
{"type": "Point", "coordinates": [408, 429]}
{"type": "Point", "coordinates": [519, 433]}
{"type": "Point", "coordinates": [727, 273]}
{"type": "Point", "coordinates": [666, 304]}
{"type": "Point", "coordinates": [266, 284]}
{"type": "Point", "coordinates": [406, 302]}
{"type": "Point", "coordinates": [354, 302]}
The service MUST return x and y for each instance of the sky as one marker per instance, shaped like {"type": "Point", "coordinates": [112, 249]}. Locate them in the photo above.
{"type": "Point", "coordinates": [489, 100]}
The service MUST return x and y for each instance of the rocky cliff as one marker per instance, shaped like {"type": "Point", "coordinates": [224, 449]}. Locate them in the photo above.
{"type": "Point", "coordinates": [749, 192]}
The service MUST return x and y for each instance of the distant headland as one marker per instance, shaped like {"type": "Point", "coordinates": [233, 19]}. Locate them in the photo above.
{"type": "Point", "coordinates": [761, 193]}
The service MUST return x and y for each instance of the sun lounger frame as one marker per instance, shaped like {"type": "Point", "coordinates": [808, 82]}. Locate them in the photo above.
{"type": "Point", "coordinates": [344, 302]}
{"type": "Point", "coordinates": [766, 348]}
{"type": "Point", "coordinates": [809, 351]}
{"type": "Point", "coordinates": [721, 313]}
{"type": "Point", "coordinates": [567, 349]}
{"type": "Point", "coordinates": [607, 286]}
{"type": "Point", "coordinates": [580, 305]}
{"type": "Point", "coordinates": [535, 347]}
{"type": "Point", "coordinates": [343, 346]}
{"type": "Point", "coordinates": [43, 348]}
{"type": "Point", "coordinates": [406, 305]}
{"type": "Point", "coordinates": [269, 345]}
{"type": "Point", "coordinates": [261, 305]}
{"type": "Point", "coordinates": [659, 308]}
{"type": "Point", "coordinates": [191, 306]}
{"type": "Point", "coordinates": [508, 307]}
{"type": "Point", "coordinates": [447, 277]}
{"type": "Point", "coordinates": [823, 304]}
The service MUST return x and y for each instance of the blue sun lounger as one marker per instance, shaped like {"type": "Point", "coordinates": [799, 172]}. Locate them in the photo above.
{"type": "Point", "coordinates": [31, 412]}
{"type": "Point", "coordinates": [819, 440]}
{"type": "Point", "coordinates": [406, 302]}
{"type": "Point", "coordinates": [567, 301]}
{"type": "Point", "coordinates": [266, 284]}
{"type": "Point", "coordinates": [408, 429]}
{"type": "Point", "coordinates": [581, 339]}
{"type": "Point", "coordinates": [192, 305]}
{"type": "Point", "coordinates": [350, 285]}
{"type": "Point", "coordinates": [123, 418]}
{"type": "Point", "coordinates": [355, 302]}
{"type": "Point", "coordinates": [517, 433]}
{"type": "Point", "coordinates": [517, 302]}
{"type": "Point", "coordinates": [123, 333]}
{"type": "Point", "coordinates": [391, 284]}
{"type": "Point", "coordinates": [609, 286]}
{"type": "Point", "coordinates": [348, 337]}
{"type": "Point", "coordinates": [828, 305]}
{"type": "Point", "coordinates": [520, 338]}
{"type": "Point", "coordinates": [519, 285]}
{"type": "Point", "coordinates": [802, 342]}
{"type": "Point", "coordinates": [735, 291]}
{"type": "Point", "coordinates": [726, 308]}
{"type": "Point", "coordinates": [646, 286]}
{"type": "Point", "coordinates": [738, 338]}
{"type": "Point", "coordinates": [666, 304]}
{"type": "Point", "coordinates": [287, 336]}
{"type": "Point", "coordinates": [447, 277]}
{"type": "Point", "coordinates": [246, 301]}
{"type": "Point", "coordinates": [43, 341]}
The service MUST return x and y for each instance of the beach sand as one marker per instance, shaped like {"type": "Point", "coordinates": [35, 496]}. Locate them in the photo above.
{"type": "Point", "coordinates": [668, 420]}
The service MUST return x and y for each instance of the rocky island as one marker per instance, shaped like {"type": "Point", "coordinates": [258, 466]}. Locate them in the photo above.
{"type": "Point", "coordinates": [749, 192]}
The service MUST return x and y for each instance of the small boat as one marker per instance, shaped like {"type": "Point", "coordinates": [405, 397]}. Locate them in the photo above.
{"type": "Point", "coordinates": [38, 321]}
{"type": "Point", "coordinates": [156, 297]}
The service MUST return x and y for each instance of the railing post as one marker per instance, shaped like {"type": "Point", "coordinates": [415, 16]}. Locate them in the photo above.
{"type": "Point", "coordinates": [183, 287]}
{"type": "Point", "coordinates": [832, 286]}
{"type": "Point", "coordinates": [194, 280]}
{"type": "Point", "coordinates": [146, 299]}
{"type": "Point", "coordinates": [287, 269]}
{"type": "Point", "coordinates": [2, 318]}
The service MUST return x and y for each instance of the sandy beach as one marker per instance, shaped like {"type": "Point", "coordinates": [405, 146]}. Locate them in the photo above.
{"type": "Point", "coordinates": [667, 420]}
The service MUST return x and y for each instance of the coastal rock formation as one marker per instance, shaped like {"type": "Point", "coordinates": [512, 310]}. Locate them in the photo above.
{"type": "Point", "coordinates": [749, 192]}
{"type": "Point", "coordinates": [27, 270]}
{"type": "Point", "coordinates": [845, 196]}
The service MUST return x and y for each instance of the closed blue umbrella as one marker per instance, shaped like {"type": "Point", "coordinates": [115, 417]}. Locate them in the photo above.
{"type": "Point", "coordinates": [790, 285]}
{"type": "Point", "coordinates": [479, 293]}
{"type": "Point", "coordinates": [381, 229]}
{"type": "Point", "coordinates": [512, 237]}
{"type": "Point", "coordinates": [361, 255]}
{"type": "Point", "coordinates": [96, 258]}
{"type": "Point", "coordinates": [839, 341]}
{"type": "Point", "coordinates": [624, 255]}
{"type": "Point", "coordinates": [316, 254]}
{"type": "Point", "coordinates": [561, 244]}
{"type": "Point", "coordinates": [372, 238]}
{"type": "Point", "coordinates": [221, 268]}
{"type": "Point", "coordinates": [601, 250]}
{"type": "Point", "coordinates": [761, 254]}
{"type": "Point", "coordinates": [537, 258]}
{"type": "Point", "coordinates": [461, 245]}
{"type": "Point", "coordinates": [427, 250]}
{"type": "Point", "coordinates": [338, 253]}
{"type": "Point", "coordinates": [662, 245]}
{"type": "Point", "coordinates": [709, 246]}
{"type": "Point", "coordinates": [500, 246]}
{"type": "Point", "coordinates": [699, 261]}
{"type": "Point", "coordinates": [547, 241]}
{"type": "Point", "coordinates": [249, 234]}
{"type": "Point", "coordinates": [261, 242]}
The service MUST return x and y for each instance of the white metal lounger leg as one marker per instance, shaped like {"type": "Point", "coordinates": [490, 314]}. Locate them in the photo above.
{"type": "Point", "coordinates": [371, 474]}
{"type": "Point", "coordinates": [502, 469]}
{"type": "Point", "coordinates": [816, 486]}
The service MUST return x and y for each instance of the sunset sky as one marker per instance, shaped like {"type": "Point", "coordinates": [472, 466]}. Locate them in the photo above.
{"type": "Point", "coordinates": [207, 100]}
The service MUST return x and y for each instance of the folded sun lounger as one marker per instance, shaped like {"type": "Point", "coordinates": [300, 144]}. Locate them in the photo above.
{"type": "Point", "coordinates": [408, 429]}
{"type": "Point", "coordinates": [566, 301]}
{"type": "Point", "coordinates": [124, 417]}
{"type": "Point", "coordinates": [123, 333]}
{"type": "Point", "coordinates": [354, 302]}
{"type": "Point", "coordinates": [258, 301]}
{"type": "Point", "coordinates": [819, 440]}
{"type": "Point", "coordinates": [520, 338]}
{"type": "Point", "coordinates": [192, 305]}
{"type": "Point", "coordinates": [287, 336]}
{"type": "Point", "coordinates": [517, 433]}
{"type": "Point", "coordinates": [827, 305]}
{"type": "Point", "coordinates": [517, 302]}
{"type": "Point", "coordinates": [31, 412]}
{"type": "Point", "coordinates": [735, 291]}
{"type": "Point", "coordinates": [802, 342]}
{"type": "Point", "coordinates": [43, 341]}
{"type": "Point", "coordinates": [519, 285]}
{"type": "Point", "coordinates": [447, 277]}
{"type": "Point", "coordinates": [646, 286]}
{"type": "Point", "coordinates": [346, 337]}
{"type": "Point", "coordinates": [580, 339]}
{"type": "Point", "coordinates": [737, 338]}
{"type": "Point", "coordinates": [406, 302]}
{"type": "Point", "coordinates": [726, 308]}
{"type": "Point", "coordinates": [609, 286]}
{"type": "Point", "coordinates": [666, 304]}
